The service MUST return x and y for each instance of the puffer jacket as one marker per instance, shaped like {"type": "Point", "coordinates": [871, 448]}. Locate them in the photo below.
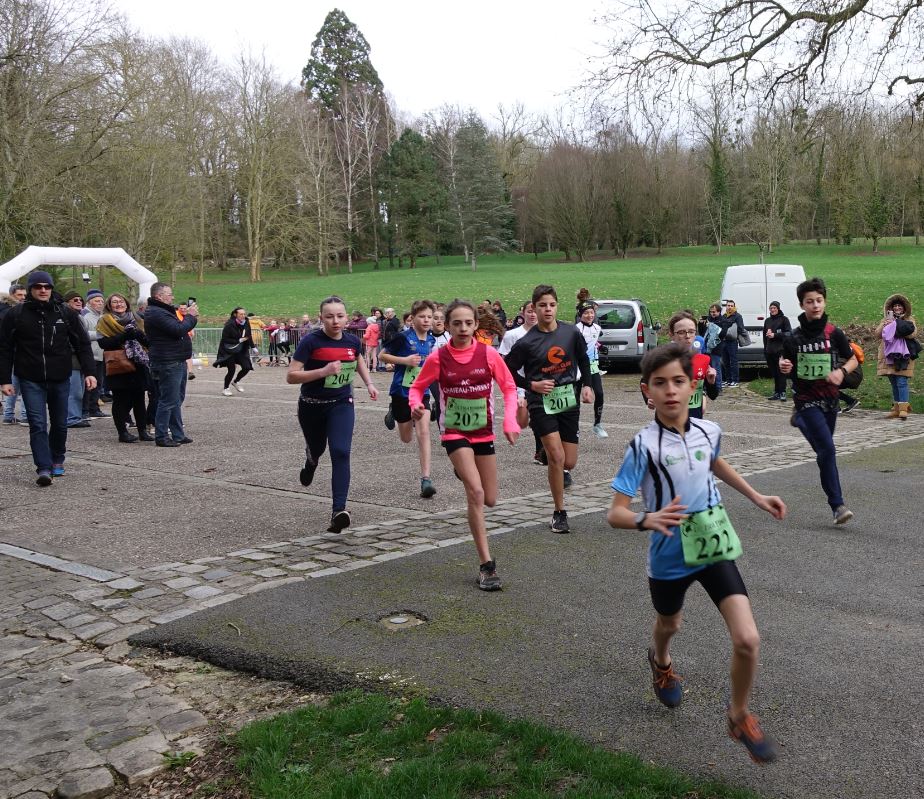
{"type": "Point", "coordinates": [883, 366]}
{"type": "Point", "coordinates": [168, 337]}
{"type": "Point", "coordinates": [39, 340]}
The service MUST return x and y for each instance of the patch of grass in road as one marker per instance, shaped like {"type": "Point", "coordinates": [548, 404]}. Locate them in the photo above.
{"type": "Point", "coordinates": [372, 746]}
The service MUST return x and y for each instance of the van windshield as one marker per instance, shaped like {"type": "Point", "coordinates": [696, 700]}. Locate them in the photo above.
{"type": "Point", "coordinates": [616, 317]}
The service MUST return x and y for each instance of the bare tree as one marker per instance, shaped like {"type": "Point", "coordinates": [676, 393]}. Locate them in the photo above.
{"type": "Point", "coordinates": [59, 96]}
{"type": "Point", "coordinates": [370, 110]}
{"type": "Point", "coordinates": [318, 185]}
{"type": "Point", "coordinates": [766, 44]}
{"type": "Point", "coordinates": [263, 107]}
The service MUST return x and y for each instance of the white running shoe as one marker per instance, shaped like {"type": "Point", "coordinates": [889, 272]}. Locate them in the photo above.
{"type": "Point", "coordinates": [240, 389]}
{"type": "Point", "coordinates": [227, 392]}
{"type": "Point", "coordinates": [599, 432]}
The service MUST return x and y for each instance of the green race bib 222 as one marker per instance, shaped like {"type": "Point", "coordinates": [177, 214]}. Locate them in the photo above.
{"type": "Point", "coordinates": [708, 537]}
{"type": "Point", "coordinates": [410, 374]}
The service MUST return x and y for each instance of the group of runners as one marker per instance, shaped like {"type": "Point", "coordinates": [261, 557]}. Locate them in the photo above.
{"type": "Point", "coordinates": [545, 369]}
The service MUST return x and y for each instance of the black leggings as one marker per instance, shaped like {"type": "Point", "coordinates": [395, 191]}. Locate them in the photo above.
{"type": "Point", "coordinates": [596, 383]}
{"type": "Point", "coordinates": [125, 401]}
{"type": "Point", "coordinates": [246, 367]}
{"type": "Point", "coordinates": [779, 379]}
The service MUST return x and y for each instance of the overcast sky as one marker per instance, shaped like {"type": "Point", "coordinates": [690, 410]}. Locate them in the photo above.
{"type": "Point", "coordinates": [477, 53]}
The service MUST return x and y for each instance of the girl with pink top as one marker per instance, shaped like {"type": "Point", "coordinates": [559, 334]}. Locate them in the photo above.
{"type": "Point", "coordinates": [371, 340]}
{"type": "Point", "coordinates": [464, 370]}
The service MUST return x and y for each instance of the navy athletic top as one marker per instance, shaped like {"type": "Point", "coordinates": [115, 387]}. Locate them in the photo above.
{"type": "Point", "coordinates": [316, 350]}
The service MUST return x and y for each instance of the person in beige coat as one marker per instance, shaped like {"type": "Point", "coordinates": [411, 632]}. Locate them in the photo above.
{"type": "Point", "coordinates": [895, 333]}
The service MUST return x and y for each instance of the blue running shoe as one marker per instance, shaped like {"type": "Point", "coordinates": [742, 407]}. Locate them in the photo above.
{"type": "Point", "coordinates": [57, 470]}
{"type": "Point", "coordinates": [761, 747]}
{"type": "Point", "coordinates": [667, 683]}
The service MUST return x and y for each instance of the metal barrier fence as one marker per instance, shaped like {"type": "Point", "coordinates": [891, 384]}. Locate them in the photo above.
{"type": "Point", "coordinates": [205, 343]}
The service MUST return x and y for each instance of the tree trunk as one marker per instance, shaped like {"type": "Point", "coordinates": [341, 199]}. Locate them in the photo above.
{"type": "Point", "coordinates": [474, 260]}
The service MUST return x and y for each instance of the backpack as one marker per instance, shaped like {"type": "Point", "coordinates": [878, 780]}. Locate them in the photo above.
{"type": "Point", "coordinates": [390, 329]}
{"type": "Point", "coordinates": [853, 379]}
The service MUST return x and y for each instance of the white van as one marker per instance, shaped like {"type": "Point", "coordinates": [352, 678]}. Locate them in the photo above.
{"type": "Point", "coordinates": [753, 287]}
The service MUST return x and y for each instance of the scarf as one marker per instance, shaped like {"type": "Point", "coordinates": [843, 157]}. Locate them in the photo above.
{"type": "Point", "coordinates": [111, 325]}
{"type": "Point", "coordinates": [813, 328]}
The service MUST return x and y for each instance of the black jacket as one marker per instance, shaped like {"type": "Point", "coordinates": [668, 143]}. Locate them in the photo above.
{"type": "Point", "coordinates": [231, 348]}
{"type": "Point", "coordinates": [725, 322]}
{"type": "Point", "coordinates": [38, 340]}
{"type": "Point", "coordinates": [168, 337]}
{"type": "Point", "coordinates": [781, 328]}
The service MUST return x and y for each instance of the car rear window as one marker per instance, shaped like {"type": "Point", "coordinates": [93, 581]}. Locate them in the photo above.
{"type": "Point", "coordinates": [616, 317]}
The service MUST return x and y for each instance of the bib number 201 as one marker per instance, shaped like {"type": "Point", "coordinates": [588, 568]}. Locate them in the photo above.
{"type": "Point", "coordinates": [559, 399]}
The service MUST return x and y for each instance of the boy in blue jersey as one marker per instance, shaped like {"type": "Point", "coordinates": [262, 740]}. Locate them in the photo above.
{"type": "Point", "coordinates": [675, 461]}
{"type": "Point", "coordinates": [407, 351]}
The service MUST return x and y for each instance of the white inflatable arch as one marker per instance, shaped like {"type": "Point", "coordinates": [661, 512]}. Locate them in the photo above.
{"type": "Point", "coordinates": [35, 257]}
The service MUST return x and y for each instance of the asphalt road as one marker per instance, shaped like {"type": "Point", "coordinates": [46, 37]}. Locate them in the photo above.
{"type": "Point", "coordinates": [130, 505]}
{"type": "Point", "coordinates": [839, 611]}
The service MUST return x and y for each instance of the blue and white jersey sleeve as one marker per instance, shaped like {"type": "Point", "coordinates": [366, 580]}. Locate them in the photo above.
{"type": "Point", "coordinates": [629, 478]}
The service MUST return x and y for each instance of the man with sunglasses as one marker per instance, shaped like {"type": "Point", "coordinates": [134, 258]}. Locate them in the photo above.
{"type": "Point", "coordinates": [39, 338]}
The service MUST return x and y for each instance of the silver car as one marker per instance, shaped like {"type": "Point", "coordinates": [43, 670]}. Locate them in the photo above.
{"type": "Point", "coordinates": [627, 332]}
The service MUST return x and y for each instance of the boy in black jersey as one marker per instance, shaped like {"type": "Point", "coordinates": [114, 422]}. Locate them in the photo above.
{"type": "Point", "coordinates": [809, 355]}
{"type": "Point", "coordinates": [550, 355]}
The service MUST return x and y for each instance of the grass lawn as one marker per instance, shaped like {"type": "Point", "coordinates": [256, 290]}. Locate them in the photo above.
{"type": "Point", "coordinates": [682, 277]}
{"type": "Point", "coordinates": [688, 277]}
{"type": "Point", "coordinates": [370, 746]}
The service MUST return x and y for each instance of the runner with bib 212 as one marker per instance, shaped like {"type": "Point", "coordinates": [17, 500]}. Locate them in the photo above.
{"type": "Point", "coordinates": [675, 462]}
{"type": "Point", "coordinates": [551, 355]}
{"type": "Point", "coordinates": [465, 369]}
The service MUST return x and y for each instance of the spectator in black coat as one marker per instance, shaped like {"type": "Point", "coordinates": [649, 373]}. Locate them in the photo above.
{"type": "Point", "coordinates": [776, 328]}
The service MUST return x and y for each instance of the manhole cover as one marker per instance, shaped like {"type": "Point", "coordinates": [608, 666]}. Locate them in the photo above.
{"type": "Point", "coordinates": [402, 620]}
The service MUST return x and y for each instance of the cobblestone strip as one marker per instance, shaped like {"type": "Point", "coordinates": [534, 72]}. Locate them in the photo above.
{"type": "Point", "coordinates": [76, 719]}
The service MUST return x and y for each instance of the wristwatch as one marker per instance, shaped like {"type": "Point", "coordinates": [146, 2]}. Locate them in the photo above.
{"type": "Point", "coordinates": [640, 520]}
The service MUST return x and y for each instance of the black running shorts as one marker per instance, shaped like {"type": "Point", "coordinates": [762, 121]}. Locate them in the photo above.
{"type": "Point", "coordinates": [720, 580]}
{"type": "Point", "coordinates": [479, 448]}
{"type": "Point", "coordinates": [565, 423]}
{"type": "Point", "coordinates": [401, 409]}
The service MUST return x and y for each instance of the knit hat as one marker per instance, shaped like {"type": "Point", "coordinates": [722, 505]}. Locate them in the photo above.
{"type": "Point", "coordinates": [586, 305]}
{"type": "Point", "coordinates": [776, 303]}
{"type": "Point", "coordinates": [73, 295]}
{"type": "Point", "coordinates": [93, 293]}
{"type": "Point", "coordinates": [39, 277]}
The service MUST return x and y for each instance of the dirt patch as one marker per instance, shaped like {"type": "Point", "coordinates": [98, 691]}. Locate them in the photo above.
{"type": "Point", "coordinates": [230, 701]}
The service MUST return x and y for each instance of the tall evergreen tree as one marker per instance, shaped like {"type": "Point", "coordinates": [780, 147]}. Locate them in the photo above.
{"type": "Point", "coordinates": [339, 59]}
{"type": "Point", "coordinates": [415, 196]}
{"type": "Point", "coordinates": [482, 200]}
